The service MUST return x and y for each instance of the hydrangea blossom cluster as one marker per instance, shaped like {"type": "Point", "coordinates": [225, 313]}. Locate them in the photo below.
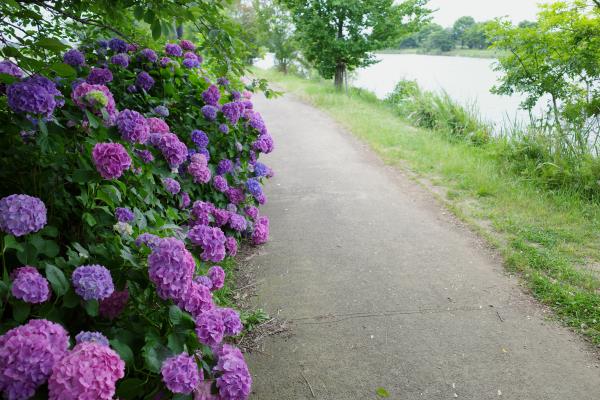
{"type": "Point", "coordinates": [158, 125]}
{"type": "Point", "coordinates": [234, 382]}
{"type": "Point", "coordinates": [112, 306]}
{"type": "Point", "coordinates": [209, 112]}
{"type": "Point", "coordinates": [74, 58]}
{"type": "Point", "coordinates": [198, 168]}
{"type": "Point", "coordinates": [233, 112]}
{"type": "Point", "coordinates": [225, 166]}
{"type": "Point", "coordinates": [211, 95]}
{"type": "Point", "coordinates": [121, 59]}
{"type": "Point", "coordinates": [92, 282]}
{"type": "Point", "coordinates": [220, 183]}
{"type": "Point", "coordinates": [95, 337]}
{"type": "Point", "coordinates": [171, 185]}
{"type": "Point", "coordinates": [210, 327]}
{"type": "Point", "coordinates": [200, 138]}
{"type": "Point", "coordinates": [211, 240]}
{"type": "Point", "coordinates": [201, 212]}
{"type": "Point", "coordinates": [111, 159]}
{"type": "Point", "coordinates": [217, 277]}
{"type": "Point", "coordinates": [10, 68]}
{"type": "Point", "coordinates": [260, 234]}
{"type": "Point", "coordinates": [147, 239]}
{"type": "Point", "coordinates": [231, 321]}
{"type": "Point", "coordinates": [231, 246]}
{"type": "Point", "coordinates": [196, 299]}
{"type": "Point", "coordinates": [33, 96]}
{"type": "Point", "coordinates": [21, 214]}
{"type": "Point", "coordinates": [236, 195]}
{"type": "Point", "coordinates": [149, 55]}
{"type": "Point", "coordinates": [95, 98]}
{"type": "Point", "coordinates": [181, 374]}
{"type": "Point", "coordinates": [171, 268]}
{"type": "Point", "coordinates": [89, 371]}
{"type": "Point", "coordinates": [161, 110]}
{"type": "Point", "coordinates": [30, 286]}
{"type": "Point", "coordinates": [124, 214]}
{"type": "Point", "coordinates": [99, 76]}
{"type": "Point", "coordinates": [187, 45]}
{"type": "Point", "coordinates": [145, 155]}
{"type": "Point", "coordinates": [237, 222]}
{"type": "Point", "coordinates": [144, 81]}
{"type": "Point", "coordinates": [173, 49]}
{"type": "Point", "coordinates": [133, 127]}
{"type": "Point", "coordinates": [220, 216]}
{"type": "Point", "coordinates": [28, 354]}
{"type": "Point", "coordinates": [254, 187]}
{"type": "Point", "coordinates": [173, 149]}
{"type": "Point", "coordinates": [118, 45]}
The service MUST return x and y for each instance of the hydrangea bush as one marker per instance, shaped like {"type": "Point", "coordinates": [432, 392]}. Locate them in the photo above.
{"type": "Point", "coordinates": [129, 178]}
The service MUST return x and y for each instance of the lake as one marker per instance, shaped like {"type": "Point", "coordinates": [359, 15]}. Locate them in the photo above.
{"type": "Point", "coordinates": [467, 80]}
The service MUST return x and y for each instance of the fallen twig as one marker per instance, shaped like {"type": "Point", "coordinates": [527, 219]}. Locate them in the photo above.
{"type": "Point", "coordinates": [309, 386]}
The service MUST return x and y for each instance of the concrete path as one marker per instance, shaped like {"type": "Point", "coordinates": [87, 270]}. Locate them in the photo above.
{"type": "Point", "coordinates": [384, 289]}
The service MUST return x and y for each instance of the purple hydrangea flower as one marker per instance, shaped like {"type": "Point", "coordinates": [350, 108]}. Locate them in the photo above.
{"type": "Point", "coordinates": [236, 96]}
{"type": "Point", "coordinates": [234, 382]}
{"type": "Point", "coordinates": [171, 268]}
{"type": "Point", "coordinates": [27, 355]}
{"type": "Point", "coordinates": [222, 81]}
{"type": "Point", "coordinates": [99, 76]}
{"type": "Point", "coordinates": [121, 59]}
{"type": "Point", "coordinates": [260, 234]}
{"type": "Point", "coordinates": [96, 98]}
{"type": "Point", "coordinates": [237, 222]}
{"type": "Point", "coordinates": [180, 373]}
{"type": "Point", "coordinates": [264, 144]}
{"type": "Point", "coordinates": [133, 127]}
{"type": "Point", "coordinates": [92, 282]}
{"type": "Point", "coordinates": [164, 61]}
{"type": "Point", "coordinates": [185, 200]}
{"type": "Point", "coordinates": [158, 125]}
{"type": "Point", "coordinates": [251, 211]}
{"type": "Point", "coordinates": [95, 337]}
{"type": "Point", "coordinates": [10, 68]}
{"type": "Point", "coordinates": [221, 216]}
{"type": "Point", "coordinates": [254, 187]}
{"type": "Point", "coordinates": [235, 195]}
{"type": "Point", "coordinates": [102, 44]}
{"type": "Point", "coordinates": [260, 169]}
{"type": "Point", "coordinates": [201, 211]}
{"type": "Point", "coordinates": [144, 81]}
{"type": "Point", "coordinates": [191, 63]}
{"type": "Point", "coordinates": [132, 89]}
{"type": "Point", "coordinates": [220, 183]}
{"type": "Point", "coordinates": [31, 97]}
{"type": "Point", "coordinates": [112, 306]}
{"type": "Point", "coordinates": [211, 240]}
{"type": "Point", "coordinates": [132, 47]}
{"type": "Point", "coordinates": [209, 112]}
{"type": "Point", "coordinates": [225, 166]}
{"type": "Point", "coordinates": [117, 45]}
{"type": "Point", "coordinates": [200, 138]}
{"type": "Point", "coordinates": [231, 246]}
{"type": "Point", "coordinates": [124, 214]}
{"type": "Point", "coordinates": [74, 58]}
{"type": "Point", "coordinates": [173, 149]}
{"type": "Point", "coordinates": [231, 208]}
{"type": "Point", "coordinates": [148, 239]}
{"type": "Point", "coordinates": [210, 328]}
{"type": "Point", "coordinates": [89, 371]}
{"type": "Point", "coordinates": [205, 153]}
{"type": "Point", "coordinates": [211, 95]}
{"type": "Point", "coordinates": [145, 155]}
{"type": "Point", "coordinates": [21, 214]}
{"type": "Point", "coordinates": [216, 276]}
{"type": "Point", "coordinates": [233, 112]}
{"type": "Point", "coordinates": [111, 159]}
{"type": "Point", "coordinates": [149, 55]}
{"type": "Point", "coordinates": [173, 49]}
{"type": "Point", "coordinates": [196, 299]}
{"type": "Point", "coordinates": [224, 128]}
{"type": "Point", "coordinates": [171, 185]}
{"type": "Point", "coordinates": [30, 286]}
{"type": "Point", "coordinates": [204, 281]}
{"type": "Point", "coordinates": [187, 45]}
{"type": "Point", "coordinates": [232, 322]}
{"type": "Point", "coordinates": [161, 110]}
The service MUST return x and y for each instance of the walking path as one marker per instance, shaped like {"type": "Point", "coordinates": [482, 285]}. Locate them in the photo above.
{"type": "Point", "coordinates": [384, 289]}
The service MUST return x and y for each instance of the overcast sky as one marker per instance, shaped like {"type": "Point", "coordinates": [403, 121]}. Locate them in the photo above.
{"type": "Point", "coordinates": [482, 10]}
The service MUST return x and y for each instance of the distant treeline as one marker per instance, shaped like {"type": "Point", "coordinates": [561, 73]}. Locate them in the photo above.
{"type": "Point", "coordinates": [464, 33]}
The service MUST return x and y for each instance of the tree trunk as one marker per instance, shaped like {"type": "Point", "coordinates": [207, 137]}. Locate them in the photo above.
{"type": "Point", "coordinates": [340, 71]}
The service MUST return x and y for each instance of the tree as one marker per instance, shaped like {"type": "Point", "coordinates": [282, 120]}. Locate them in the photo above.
{"type": "Point", "coordinates": [440, 40]}
{"type": "Point", "coordinates": [475, 37]}
{"type": "Point", "coordinates": [460, 27]}
{"type": "Point", "coordinates": [276, 32]}
{"type": "Point", "coordinates": [337, 36]}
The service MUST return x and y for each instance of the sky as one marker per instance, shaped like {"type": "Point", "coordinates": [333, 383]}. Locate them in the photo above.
{"type": "Point", "coordinates": [482, 10]}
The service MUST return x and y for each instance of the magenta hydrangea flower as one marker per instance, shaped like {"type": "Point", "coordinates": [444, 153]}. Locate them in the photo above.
{"type": "Point", "coordinates": [30, 286]}
{"type": "Point", "coordinates": [209, 112]}
{"type": "Point", "coordinates": [235, 381]}
{"type": "Point", "coordinates": [221, 217]}
{"type": "Point", "coordinates": [124, 214]}
{"type": "Point", "coordinates": [225, 166]}
{"type": "Point", "coordinates": [210, 328]}
{"type": "Point", "coordinates": [171, 268]}
{"type": "Point", "coordinates": [95, 98]}
{"type": "Point", "coordinates": [173, 149]}
{"type": "Point", "coordinates": [89, 371]}
{"type": "Point", "coordinates": [251, 211]}
{"type": "Point", "coordinates": [157, 125]}
{"type": "Point", "coordinates": [187, 45]}
{"type": "Point", "coordinates": [196, 299]}
{"type": "Point", "coordinates": [220, 183]}
{"type": "Point", "coordinates": [232, 321]}
{"type": "Point", "coordinates": [111, 159]}
{"type": "Point", "coordinates": [231, 246]}
{"type": "Point", "coordinates": [171, 185]}
{"type": "Point", "coordinates": [201, 212]}
{"type": "Point", "coordinates": [264, 144]}
{"type": "Point", "coordinates": [92, 282]}
{"type": "Point", "coordinates": [74, 58]}
{"type": "Point", "coordinates": [211, 95]}
{"type": "Point", "coordinates": [173, 49]}
{"type": "Point", "coordinates": [95, 337]}
{"type": "Point", "coordinates": [144, 81]}
{"type": "Point", "coordinates": [260, 234]}
{"type": "Point", "coordinates": [181, 373]}
{"type": "Point", "coordinates": [198, 169]}
{"type": "Point", "coordinates": [233, 112]}
{"type": "Point", "coordinates": [204, 281]}
{"type": "Point", "coordinates": [118, 45]}
{"type": "Point", "coordinates": [133, 127]}
{"type": "Point", "coordinates": [217, 277]}
{"type": "Point", "coordinates": [211, 240]}
{"type": "Point", "coordinates": [237, 222]}
{"type": "Point", "coordinates": [27, 355]}
{"type": "Point", "coordinates": [203, 391]}
{"type": "Point", "coordinates": [121, 59]}
{"type": "Point", "coordinates": [145, 155]}
{"type": "Point", "coordinates": [149, 55]}
{"type": "Point", "coordinates": [112, 306]}
{"type": "Point", "coordinates": [99, 76]}
{"type": "Point", "coordinates": [21, 214]}
{"type": "Point", "coordinates": [185, 200]}
{"type": "Point", "coordinates": [235, 195]}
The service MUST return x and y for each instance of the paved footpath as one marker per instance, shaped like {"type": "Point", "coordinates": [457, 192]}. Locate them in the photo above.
{"type": "Point", "coordinates": [384, 289]}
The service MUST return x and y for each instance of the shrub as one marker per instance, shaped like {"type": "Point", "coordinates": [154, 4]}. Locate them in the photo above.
{"type": "Point", "coordinates": [102, 176]}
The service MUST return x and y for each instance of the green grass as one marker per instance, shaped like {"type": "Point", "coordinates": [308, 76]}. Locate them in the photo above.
{"type": "Point", "coordinates": [549, 238]}
{"type": "Point", "coordinates": [473, 53]}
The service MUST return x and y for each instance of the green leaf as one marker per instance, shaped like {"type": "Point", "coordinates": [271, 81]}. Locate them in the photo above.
{"type": "Point", "coordinates": [180, 396]}
{"type": "Point", "coordinates": [175, 314]}
{"type": "Point", "coordinates": [156, 29]}
{"type": "Point", "coordinates": [71, 299]}
{"type": "Point", "coordinates": [20, 311]}
{"type": "Point", "coordinates": [51, 44]}
{"type": "Point", "coordinates": [3, 291]}
{"type": "Point", "coordinates": [28, 255]}
{"type": "Point", "coordinates": [64, 70]}
{"type": "Point", "coordinates": [57, 279]}
{"type": "Point", "coordinates": [138, 12]}
{"type": "Point", "coordinates": [381, 392]}
{"type": "Point", "coordinates": [154, 354]}
{"type": "Point", "coordinates": [175, 342]}
{"type": "Point", "coordinates": [50, 231]}
{"type": "Point", "coordinates": [89, 219]}
{"type": "Point", "coordinates": [91, 307]}
{"type": "Point", "coordinates": [130, 388]}
{"type": "Point", "coordinates": [11, 243]}
{"type": "Point", "coordinates": [94, 122]}
{"type": "Point", "coordinates": [123, 350]}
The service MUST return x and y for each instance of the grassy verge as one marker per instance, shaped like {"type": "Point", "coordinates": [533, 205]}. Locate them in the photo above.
{"type": "Point", "coordinates": [551, 238]}
{"type": "Point", "coordinates": [473, 53]}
